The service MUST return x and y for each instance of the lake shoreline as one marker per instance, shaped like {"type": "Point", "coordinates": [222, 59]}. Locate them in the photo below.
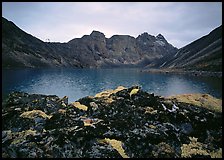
{"type": "Point", "coordinates": [177, 71]}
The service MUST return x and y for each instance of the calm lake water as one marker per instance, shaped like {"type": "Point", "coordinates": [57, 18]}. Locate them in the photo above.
{"type": "Point", "coordinates": [78, 83]}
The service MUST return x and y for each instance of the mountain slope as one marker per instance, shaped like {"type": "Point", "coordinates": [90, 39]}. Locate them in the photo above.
{"type": "Point", "coordinates": [20, 49]}
{"type": "Point", "coordinates": [203, 54]}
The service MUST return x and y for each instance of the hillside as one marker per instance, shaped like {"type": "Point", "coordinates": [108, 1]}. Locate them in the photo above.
{"type": "Point", "coordinates": [204, 54]}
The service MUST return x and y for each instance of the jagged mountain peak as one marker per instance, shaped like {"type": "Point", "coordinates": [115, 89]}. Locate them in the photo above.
{"type": "Point", "coordinates": [145, 35]}
{"type": "Point", "coordinates": [93, 50]}
{"type": "Point", "coordinates": [97, 34]}
{"type": "Point", "coordinates": [161, 37]}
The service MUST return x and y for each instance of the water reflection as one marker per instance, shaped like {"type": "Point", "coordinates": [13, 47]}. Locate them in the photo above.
{"type": "Point", "coordinates": [77, 83]}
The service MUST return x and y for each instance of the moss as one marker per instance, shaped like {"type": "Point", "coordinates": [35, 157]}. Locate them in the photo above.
{"type": "Point", "coordinates": [107, 93]}
{"type": "Point", "coordinates": [62, 111]}
{"type": "Point", "coordinates": [152, 126]}
{"type": "Point", "coordinates": [91, 122]}
{"type": "Point", "coordinates": [117, 145]}
{"type": "Point", "coordinates": [150, 110]}
{"type": "Point", "coordinates": [216, 154]}
{"type": "Point", "coordinates": [201, 100]}
{"type": "Point", "coordinates": [35, 101]}
{"type": "Point", "coordinates": [163, 149]}
{"type": "Point", "coordinates": [134, 91]}
{"type": "Point", "coordinates": [193, 148]}
{"type": "Point", "coordinates": [109, 100]}
{"type": "Point", "coordinates": [102, 141]}
{"type": "Point", "coordinates": [21, 136]}
{"type": "Point", "coordinates": [88, 122]}
{"type": "Point", "coordinates": [79, 106]}
{"type": "Point", "coordinates": [32, 114]}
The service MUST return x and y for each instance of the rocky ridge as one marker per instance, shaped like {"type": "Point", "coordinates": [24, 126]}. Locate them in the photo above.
{"type": "Point", "coordinates": [125, 122]}
{"type": "Point", "coordinates": [20, 49]}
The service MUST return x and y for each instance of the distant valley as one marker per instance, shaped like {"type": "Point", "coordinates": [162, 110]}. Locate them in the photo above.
{"type": "Point", "coordinates": [20, 49]}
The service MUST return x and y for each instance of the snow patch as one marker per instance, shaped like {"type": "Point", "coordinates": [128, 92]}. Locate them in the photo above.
{"type": "Point", "coordinates": [164, 107]}
{"type": "Point", "coordinates": [160, 43]}
{"type": "Point", "coordinates": [163, 64]}
{"type": "Point", "coordinates": [176, 53]}
{"type": "Point", "coordinates": [174, 108]}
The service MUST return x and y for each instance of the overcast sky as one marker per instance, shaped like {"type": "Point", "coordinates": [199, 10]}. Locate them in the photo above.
{"type": "Point", "coordinates": [179, 22]}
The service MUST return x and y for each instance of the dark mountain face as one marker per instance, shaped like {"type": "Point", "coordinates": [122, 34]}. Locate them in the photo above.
{"type": "Point", "coordinates": [202, 54]}
{"type": "Point", "coordinates": [20, 49]}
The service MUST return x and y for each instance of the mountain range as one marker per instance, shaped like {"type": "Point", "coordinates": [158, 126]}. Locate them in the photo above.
{"type": "Point", "coordinates": [20, 49]}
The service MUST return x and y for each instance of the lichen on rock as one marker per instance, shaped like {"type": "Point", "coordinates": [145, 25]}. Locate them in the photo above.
{"type": "Point", "coordinates": [201, 100]}
{"type": "Point", "coordinates": [79, 106]}
{"type": "Point", "coordinates": [110, 125]}
{"type": "Point", "coordinates": [35, 113]}
{"type": "Point", "coordinates": [117, 145]}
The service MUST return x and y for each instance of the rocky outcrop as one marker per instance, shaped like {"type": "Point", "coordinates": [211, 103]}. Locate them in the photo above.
{"type": "Point", "coordinates": [126, 122]}
{"type": "Point", "coordinates": [20, 49]}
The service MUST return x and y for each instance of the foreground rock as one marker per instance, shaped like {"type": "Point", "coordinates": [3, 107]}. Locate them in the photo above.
{"type": "Point", "coordinates": [126, 122]}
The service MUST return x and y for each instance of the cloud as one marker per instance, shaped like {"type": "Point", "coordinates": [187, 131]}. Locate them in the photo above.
{"type": "Point", "coordinates": [179, 22]}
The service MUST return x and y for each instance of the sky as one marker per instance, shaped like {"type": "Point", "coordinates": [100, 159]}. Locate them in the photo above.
{"type": "Point", "coordinates": [179, 22]}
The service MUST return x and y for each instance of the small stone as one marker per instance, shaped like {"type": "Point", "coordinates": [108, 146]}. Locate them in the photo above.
{"type": "Point", "coordinates": [18, 109]}
{"type": "Point", "coordinates": [94, 106]}
{"type": "Point", "coordinates": [186, 128]}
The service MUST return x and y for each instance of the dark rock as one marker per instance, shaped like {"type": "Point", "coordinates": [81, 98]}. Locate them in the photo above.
{"type": "Point", "coordinates": [186, 128]}
{"type": "Point", "coordinates": [200, 156]}
{"type": "Point", "coordinates": [140, 125]}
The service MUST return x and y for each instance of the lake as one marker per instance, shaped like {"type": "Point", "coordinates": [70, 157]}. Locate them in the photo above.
{"type": "Point", "coordinates": [78, 83]}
